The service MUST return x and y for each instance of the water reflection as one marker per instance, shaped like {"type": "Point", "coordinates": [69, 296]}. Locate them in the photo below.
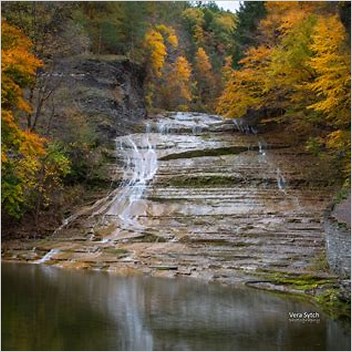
{"type": "Point", "coordinates": [44, 308]}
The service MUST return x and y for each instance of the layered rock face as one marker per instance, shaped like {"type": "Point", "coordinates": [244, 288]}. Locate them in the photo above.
{"type": "Point", "coordinates": [337, 225]}
{"type": "Point", "coordinates": [198, 198]}
{"type": "Point", "coordinates": [108, 91]}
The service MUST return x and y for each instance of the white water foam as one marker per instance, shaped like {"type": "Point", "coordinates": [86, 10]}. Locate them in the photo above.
{"type": "Point", "coordinates": [47, 256]}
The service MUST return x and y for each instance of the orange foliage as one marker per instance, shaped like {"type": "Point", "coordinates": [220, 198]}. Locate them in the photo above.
{"type": "Point", "coordinates": [154, 43]}
{"type": "Point", "coordinates": [21, 150]}
{"type": "Point", "coordinates": [176, 91]}
{"type": "Point", "coordinates": [246, 88]}
{"type": "Point", "coordinates": [203, 65]}
{"type": "Point", "coordinates": [332, 64]}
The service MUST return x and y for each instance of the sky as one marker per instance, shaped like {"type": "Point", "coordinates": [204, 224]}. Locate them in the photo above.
{"type": "Point", "coordinates": [229, 5]}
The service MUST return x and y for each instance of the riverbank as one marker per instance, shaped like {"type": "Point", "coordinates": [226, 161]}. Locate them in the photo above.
{"type": "Point", "coordinates": [199, 199]}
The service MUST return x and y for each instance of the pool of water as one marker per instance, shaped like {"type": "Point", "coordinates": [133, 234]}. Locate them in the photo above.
{"type": "Point", "coordinates": [45, 308]}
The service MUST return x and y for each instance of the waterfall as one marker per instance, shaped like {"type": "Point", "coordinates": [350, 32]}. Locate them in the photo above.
{"type": "Point", "coordinates": [124, 205]}
{"type": "Point", "coordinates": [47, 256]}
{"type": "Point", "coordinates": [196, 129]}
{"type": "Point", "coordinates": [261, 149]}
{"type": "Point", "coordinates": [243, 127]}
{"type": "Point", "coordinates": [140, 167]}
{"type": "Point", "coordinates": [281, 182]}
{"type": "Point", "coordinates": [280, 179]}
{"type": "Point", "coordinates": [163, 128]}
{"type": "Point", "coordinates": [148, 128]}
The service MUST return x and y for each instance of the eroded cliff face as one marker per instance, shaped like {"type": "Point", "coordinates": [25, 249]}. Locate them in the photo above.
{"type": "Point", "coordinates": [83, 103]}
{"type": "Point", "coordinates": [337, 226]}
{"type": "Point", "coordinates": [109, 91]}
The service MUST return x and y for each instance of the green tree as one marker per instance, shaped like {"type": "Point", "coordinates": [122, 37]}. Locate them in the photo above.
{"type": "Point", "coordinates": [246, 34]}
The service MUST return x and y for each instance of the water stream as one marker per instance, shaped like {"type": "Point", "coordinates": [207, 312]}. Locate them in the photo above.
{"type": "Point", "coordinates": [140, 167]}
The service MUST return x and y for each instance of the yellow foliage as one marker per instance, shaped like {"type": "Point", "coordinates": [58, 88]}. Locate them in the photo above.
{"type": "Point", "coordinates": [195, 19]}
{"type": "Point", "coordinates": [18, 66]}
{"type": "Point", "coordinates": [169, 33]}
{"type": "Point", "coordinates": [227, 70]}
{"type": "Point", "coordinates": [32, 144]}
{"type": "Point", "coordinates": [302, 65]}
{"type": "Point", "coordinates": [226, 21]}
{"type": "Point", "coordinates": [182, 74]}
{"type": "Point", "coordinates": [21, 150]}
{"type": "Point", "coordinates": [246, 88]}
{"type": "Point", "coordinates": [154, 43]}
{"type": "Point", "coordinates": [203, 65]}
{"type": "Point", "coordinates": [199, 35]}
{"type": "Point", "coordinates": [206, 82]}
{"type": "Point", "coordinates": [282, 16]}
{"type": "Point", "coordinates": [176, 90]}
{"type": "Point", "coordinates": [332, 65]}
{"type": "Point", "coordinates": [183, 68]}
{"type": "Point", "coordinates": [193, 16]}
{"type": "Point", "coordinates": [239, 95]}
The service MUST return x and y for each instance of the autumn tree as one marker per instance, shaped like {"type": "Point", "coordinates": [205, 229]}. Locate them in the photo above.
{"type": "Point", "coordinates": [246, 88]}
{"type": "Point", "coordinates": [302, 68]}
{"type": "Point", "coordinates": [176, 92]}
{"type": "Point", "coordinates": [273, 72]}
{"type": "Point", "coordinates": [331, 62]}
{"type": "Point", "coordinates": [21, 150]}
{"type": "Point", "coordinates": [157, 41]}
{"type": "Point", "coordinates": [332, 84]}
{"type": "Point", "coordinates": [194, 21]}
{"type": "Point", "coordinates": [54, 35]}
{"type": "Point", "coordinates": [204, 77]}
{"type": "Point", "coordinates": [24, 153]}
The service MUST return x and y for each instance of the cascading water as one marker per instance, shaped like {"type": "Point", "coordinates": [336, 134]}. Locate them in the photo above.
{"type": "Point", "coordinates": [162, 128]}
{"type": "Point", "coordinates": [48, 256]}
{"type": "Point", "coordinates": [280, 179]}
{"type": "Point", "coordinates": [197, 130]}
{"type": "Point", "coordinates": [140, 165]}
{"type": "Point", "coordinates": [281, 182]}
{"type": "Point", "coordinates": [261, 147]}
{"type": "Point", "coordinates": [208, 189]}
{"type": "Point", "coordinates": [244, 127]}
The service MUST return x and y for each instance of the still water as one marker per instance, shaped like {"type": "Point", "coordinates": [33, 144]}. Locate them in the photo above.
{"type": "Point", "coordinates": [45, 308]}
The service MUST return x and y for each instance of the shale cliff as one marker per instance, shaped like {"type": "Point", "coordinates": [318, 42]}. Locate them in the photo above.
{"type": "Point", "coordinates": [109, 91]}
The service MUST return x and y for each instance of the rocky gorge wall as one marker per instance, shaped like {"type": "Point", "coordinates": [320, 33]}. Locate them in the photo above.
{"type": "Point", "coordinates": [107, 90]}
{"type": "Point", "coordinates": [337, 226]}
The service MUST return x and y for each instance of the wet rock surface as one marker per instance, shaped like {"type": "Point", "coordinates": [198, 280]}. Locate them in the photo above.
{"type": "Point", "coordinates": [197, 198]}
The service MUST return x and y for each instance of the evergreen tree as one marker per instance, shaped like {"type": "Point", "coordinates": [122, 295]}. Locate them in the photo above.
{"type": "Point", "coordinates": [246, 35]}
